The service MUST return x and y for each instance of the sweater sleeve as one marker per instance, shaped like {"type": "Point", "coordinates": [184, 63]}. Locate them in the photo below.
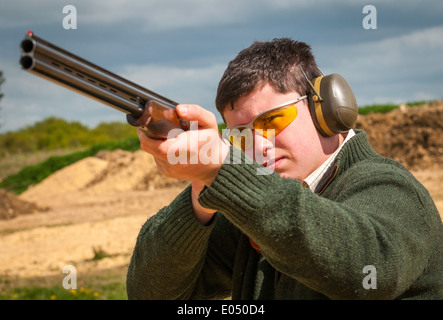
{"type": "Point", "coordinates": [377, 218]}
{"type": "Point", "coordinates": [170, 253]}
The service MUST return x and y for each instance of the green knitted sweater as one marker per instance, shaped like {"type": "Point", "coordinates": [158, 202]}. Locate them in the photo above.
{"type": "Point", "coordinates": [373, 213]}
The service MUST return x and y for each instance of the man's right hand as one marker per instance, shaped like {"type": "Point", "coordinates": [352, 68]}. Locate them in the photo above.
{"type": "Point", "coordinates": [207, 137]}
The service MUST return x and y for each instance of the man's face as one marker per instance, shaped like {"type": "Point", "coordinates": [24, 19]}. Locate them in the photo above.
{"type": "Point", "coordinates": [297, 150]}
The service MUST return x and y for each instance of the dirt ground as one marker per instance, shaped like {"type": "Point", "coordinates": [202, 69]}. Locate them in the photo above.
{"type": "Point", "coordinates": [100, 203]}
{"type": "Point", "coordinates": [42, 243]}
{"type": "Point", "coordinates": [96, 204]}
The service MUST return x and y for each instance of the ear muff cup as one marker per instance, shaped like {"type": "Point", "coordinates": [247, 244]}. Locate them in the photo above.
{"type": "Point", "coordinates": [333, 106]}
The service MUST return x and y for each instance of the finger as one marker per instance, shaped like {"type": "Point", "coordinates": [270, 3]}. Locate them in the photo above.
{"type": "Point", "coordinates": [192, 112]}
{"type": "Point", "coordinates": [167, 169]}
{"type": "Point", "coordinates": [157, 148]}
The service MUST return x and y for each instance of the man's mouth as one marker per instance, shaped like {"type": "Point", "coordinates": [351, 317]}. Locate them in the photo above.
{"type": "Point", "coordinates": [273, 164]}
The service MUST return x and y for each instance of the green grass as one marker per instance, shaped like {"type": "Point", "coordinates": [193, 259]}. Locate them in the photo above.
{"type": "Point", "coordinates": [100, 285]}
{"type": "Point", "coordinates": [109, 291]}
{"type": "Point", "coordinates": [377, 108]}
{"type": "Point", "coordinates": [387, 107]}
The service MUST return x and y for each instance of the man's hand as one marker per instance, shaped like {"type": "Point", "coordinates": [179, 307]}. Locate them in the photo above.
{"type": "Point", "coordinates": [191, 155]}
{"type": "Point", "coordinates": [195, 155]}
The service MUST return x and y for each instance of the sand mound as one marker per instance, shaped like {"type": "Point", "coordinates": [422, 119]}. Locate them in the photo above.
{"type": "Point", "coordinates": [128, 171]}
{"type": "Point", "coordinates": [70, 178]}
{"type": "Point", "coordinates": [108, 171]}
{"type": "Point", "coordinates": [12, 206]}
{"type": "Point", "coordinates": [412, 136]}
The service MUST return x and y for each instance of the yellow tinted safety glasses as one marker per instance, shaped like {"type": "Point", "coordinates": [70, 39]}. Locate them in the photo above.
{"type": "Point", "coordinates": [268, 123]}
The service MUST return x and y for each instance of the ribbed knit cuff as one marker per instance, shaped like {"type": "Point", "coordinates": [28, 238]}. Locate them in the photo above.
{"type": "Point", "coordinates": [181, 231]}
{"type": "Point", "coordinates": [239, 187]}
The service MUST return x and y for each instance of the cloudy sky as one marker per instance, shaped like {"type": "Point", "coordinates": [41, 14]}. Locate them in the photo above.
{"type": "Point", "coordinates": [180, 48]}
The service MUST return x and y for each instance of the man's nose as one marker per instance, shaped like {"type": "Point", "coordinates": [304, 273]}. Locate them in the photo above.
{"type": "Point", "coordinates": [264, 140]}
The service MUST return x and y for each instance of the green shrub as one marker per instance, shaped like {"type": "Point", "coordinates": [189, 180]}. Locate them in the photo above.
{"type": "Point", "coordinates": [54, 133]}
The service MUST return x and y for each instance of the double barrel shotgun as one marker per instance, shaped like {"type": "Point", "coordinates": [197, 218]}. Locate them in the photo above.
{"type": "Point", "coordinates": [144, 108]}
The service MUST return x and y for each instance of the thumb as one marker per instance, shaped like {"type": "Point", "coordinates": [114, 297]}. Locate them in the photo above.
{"type": "Point", "coordinates": [193, 112]}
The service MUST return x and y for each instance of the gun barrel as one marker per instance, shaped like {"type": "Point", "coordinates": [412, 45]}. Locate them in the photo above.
{"type": "Point", "coordinates": [64, 68]}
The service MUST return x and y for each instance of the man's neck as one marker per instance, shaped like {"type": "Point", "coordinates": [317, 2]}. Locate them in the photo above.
{"type": "Point", "coordinates": [317, 175]}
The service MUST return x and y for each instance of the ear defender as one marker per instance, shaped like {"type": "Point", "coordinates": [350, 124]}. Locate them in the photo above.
{"type": "Point", "coordinates": [332, 104]}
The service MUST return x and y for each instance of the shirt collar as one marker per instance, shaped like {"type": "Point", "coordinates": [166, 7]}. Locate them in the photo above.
{"type": "Point", "coordinates": [316, 179]}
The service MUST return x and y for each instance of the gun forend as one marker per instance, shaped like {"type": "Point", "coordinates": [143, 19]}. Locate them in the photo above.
{"type": "Point", "coordinates": [142, 106]}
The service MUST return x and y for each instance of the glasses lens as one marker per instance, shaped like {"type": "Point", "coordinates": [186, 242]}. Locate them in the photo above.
{"type": "Point", "coordinates": [268, 125]}
{"type": "Point", "coordinates": [276, 119]}
{"type": "Point", "coordinates": [241, 138]}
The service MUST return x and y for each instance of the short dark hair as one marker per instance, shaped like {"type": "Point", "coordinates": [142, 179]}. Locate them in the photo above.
{"type": "Point", "coordinates": [275, 62]}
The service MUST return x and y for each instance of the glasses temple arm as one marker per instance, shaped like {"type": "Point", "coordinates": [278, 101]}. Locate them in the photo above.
{"type": "Point", "coordinates": [311, 85]}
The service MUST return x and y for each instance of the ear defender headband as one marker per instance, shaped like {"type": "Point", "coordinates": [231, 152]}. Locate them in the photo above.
{"type": "Point", "coordinates": [332, 104]}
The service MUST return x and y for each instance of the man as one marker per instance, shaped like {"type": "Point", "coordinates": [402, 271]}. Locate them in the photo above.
{"type": "Point", "coordinates": [329, 210]}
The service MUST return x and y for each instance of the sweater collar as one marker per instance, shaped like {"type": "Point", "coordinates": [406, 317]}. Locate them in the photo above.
{"type": "Point", "coordinates": [319, 177]}
{"type": "Point", "coordinates": [357, 149]}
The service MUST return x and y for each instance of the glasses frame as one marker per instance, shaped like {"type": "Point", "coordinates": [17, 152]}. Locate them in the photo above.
{"type": "Point", "coordinates": [250, 125]}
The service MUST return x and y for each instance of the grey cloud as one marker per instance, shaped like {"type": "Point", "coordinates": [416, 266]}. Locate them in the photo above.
{"type": "Point", "coordinates": [180, 48]}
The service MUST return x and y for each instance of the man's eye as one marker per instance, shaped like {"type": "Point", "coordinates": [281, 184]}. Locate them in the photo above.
{"type": "Point", "coordinates": [269, 119]}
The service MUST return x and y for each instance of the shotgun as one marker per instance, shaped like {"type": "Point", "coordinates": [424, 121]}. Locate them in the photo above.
{"type": "Point", "coordinates": [144, 108]}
